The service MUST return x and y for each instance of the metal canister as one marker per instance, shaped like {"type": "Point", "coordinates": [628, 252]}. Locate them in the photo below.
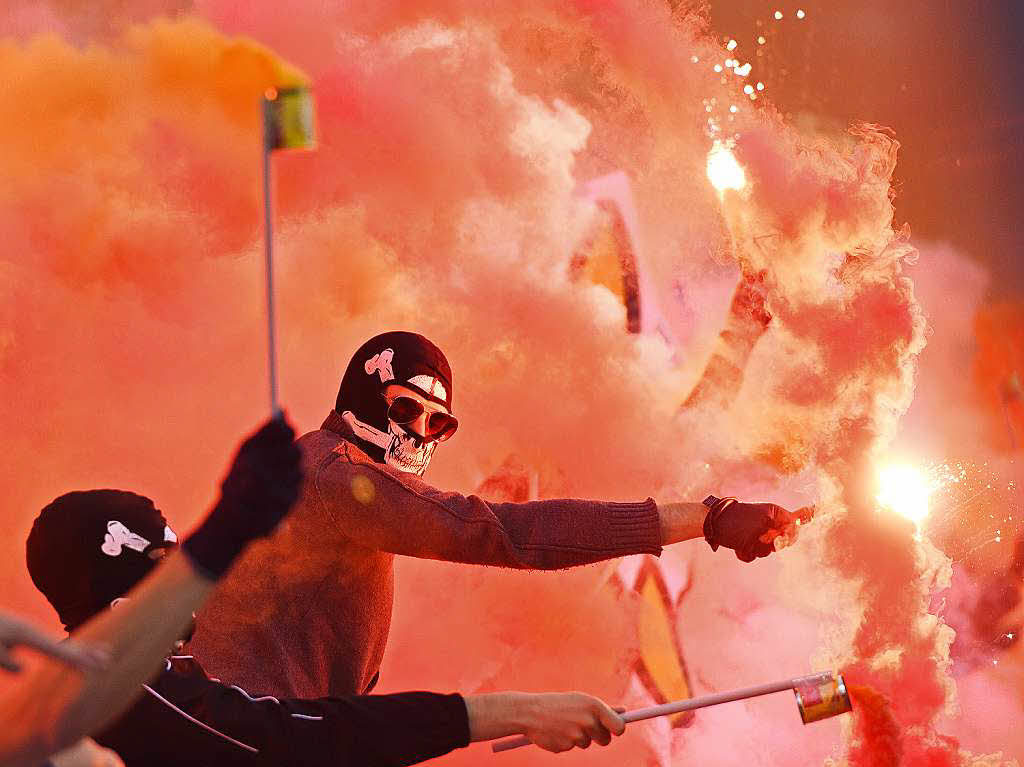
{"type": "Point", "coordinates": [288, 118]}
{"type": "Point", "coordinates": [821, 696]}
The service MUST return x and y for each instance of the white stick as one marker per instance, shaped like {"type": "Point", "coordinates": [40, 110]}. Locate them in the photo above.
{"type": "Point", "coordinates": [268, 236]}
{"type": "Point", "coordinates": [689, 704]}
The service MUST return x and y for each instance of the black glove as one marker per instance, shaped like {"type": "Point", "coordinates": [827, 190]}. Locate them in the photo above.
{"type": "Point", "coordinates": [743, 526]}
{"type": "Point", "coordinates": [261, 486]}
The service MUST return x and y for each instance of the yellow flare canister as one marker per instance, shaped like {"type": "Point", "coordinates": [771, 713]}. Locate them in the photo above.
{"type": "Point", "coordinates": [821, 696]}
{"type": "Point", "coordinates": [288, 118]}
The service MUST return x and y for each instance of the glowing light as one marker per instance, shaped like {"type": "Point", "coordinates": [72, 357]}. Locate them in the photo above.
{"type": "Point", "coordinates": [778, 15]}
{"type": "Point", "coordinates": [732, 45]}
{"type": "Point", "coordinates": [694, 59]}
{"type": "Point", "coordinates": [748, 89]}
{"type": "Point", "coordinates": [724, 171]}
{"type": "Point", "coordinates": [761, 40]}
{"type": "Point", "coordinates": [800, 14]}
{"type": "Point", "coordinates": [744, 70]}
{"type": "Point", "coordinates": [718, 67]}
{"type": "Point", "coordinates": [905, 490]}
{"type": "Point", "coordinates": [760, 86]}
{"type": "Point", "coordinates": [734, 109]}
{"type": "Point", "coordinates": [730, 63]}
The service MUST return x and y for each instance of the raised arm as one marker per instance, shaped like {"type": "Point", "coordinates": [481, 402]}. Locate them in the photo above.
{"type": "Point", "coordinates": [51, 707]}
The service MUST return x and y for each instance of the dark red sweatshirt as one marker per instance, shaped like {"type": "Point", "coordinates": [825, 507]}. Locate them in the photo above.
{"type": "Point", "coordinates": [306, 614]}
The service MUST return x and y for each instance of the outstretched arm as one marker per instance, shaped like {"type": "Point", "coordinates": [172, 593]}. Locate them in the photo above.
{"type": "Point", "coordinates": [746, 322]}
{"type": "Point", "coordinates": [384, 509]}
{"type": "Point", "coordinates": [555, 721]}
{"type": "Point", "coordinates": [397, 512]}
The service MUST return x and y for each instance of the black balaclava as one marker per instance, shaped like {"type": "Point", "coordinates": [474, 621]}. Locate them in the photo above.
{"type": "Point", "coordinates": [396, 357]}
{"type": "Point", "coordinates": [89, 547]}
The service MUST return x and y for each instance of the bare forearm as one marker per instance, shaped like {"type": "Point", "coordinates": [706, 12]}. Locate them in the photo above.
{"type": "Point", "coordinates": [555, 721]}
{"type": "Point", "coordinates": [53, 707]}
{"type": "Point", "coordinates": [681, 521]}
{"type": "Point", "coordinates": [494, 715]}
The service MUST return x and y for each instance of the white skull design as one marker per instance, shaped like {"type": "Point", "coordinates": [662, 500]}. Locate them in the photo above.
{"type": "Point", "coordinates": [406, 452]}
{"type": "Point", "coordinates": [118, 536]}
{"type": "Point", "coordinates": [402, 451]}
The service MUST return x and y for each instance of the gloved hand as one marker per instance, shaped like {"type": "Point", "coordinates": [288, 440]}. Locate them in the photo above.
{"type": "Point", "coordinates": [749, 529]}
{"type": "Point", "coordinates": [261, 486]}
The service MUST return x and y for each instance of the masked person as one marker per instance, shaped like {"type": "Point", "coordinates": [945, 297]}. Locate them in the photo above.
{"type": "Point", "coordinates": [307, 613]}
{"type": "Point", "coordinates": [50, 707]}
{"type": "Point", "coordinates": [87, 549]}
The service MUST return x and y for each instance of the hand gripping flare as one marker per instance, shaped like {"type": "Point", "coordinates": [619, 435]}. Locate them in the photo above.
{"type": "Point", "coordinates": [818, 697]}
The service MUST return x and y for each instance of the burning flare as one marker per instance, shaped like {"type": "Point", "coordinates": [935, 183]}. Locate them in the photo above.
{"type": "Point", "coordinates": [724, 171]}
{"type": "Point", "coordinates": [905, 490]}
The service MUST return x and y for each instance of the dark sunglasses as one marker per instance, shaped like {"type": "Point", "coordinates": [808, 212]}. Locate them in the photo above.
{"type": "Point", "coordinates": [405, 410]}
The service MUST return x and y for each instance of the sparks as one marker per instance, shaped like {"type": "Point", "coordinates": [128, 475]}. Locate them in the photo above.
{"type": "Point", "coordinates": [905, 490]}
{"type": "Point", "coordinates": [724, 171]}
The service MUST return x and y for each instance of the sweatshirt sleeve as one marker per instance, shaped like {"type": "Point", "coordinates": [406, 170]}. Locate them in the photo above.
{"type": "Point", "coordinates": [380, 730]}
{"type": "Point", "coordinates": [380, 508]}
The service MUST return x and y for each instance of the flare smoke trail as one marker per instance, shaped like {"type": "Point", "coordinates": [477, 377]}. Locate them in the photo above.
{"type": "Point", "coordinates": [453, 136]}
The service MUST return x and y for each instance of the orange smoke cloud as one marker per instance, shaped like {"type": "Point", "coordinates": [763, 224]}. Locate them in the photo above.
{"type": "Point", "coordinates": [443, 198]}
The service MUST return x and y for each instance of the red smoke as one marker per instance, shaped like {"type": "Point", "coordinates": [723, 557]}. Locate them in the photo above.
{"type": "Point", "coordinates": [442, 198]}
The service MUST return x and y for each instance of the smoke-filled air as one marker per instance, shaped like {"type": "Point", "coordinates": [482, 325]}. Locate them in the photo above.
{"type": "Point", "coordinates": [564, 197]}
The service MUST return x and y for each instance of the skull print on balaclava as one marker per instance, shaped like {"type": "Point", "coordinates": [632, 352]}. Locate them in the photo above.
{"type": "Point", "coordinates": [90, 547]}
{"type": "Point", "coordinates": [396, 357]}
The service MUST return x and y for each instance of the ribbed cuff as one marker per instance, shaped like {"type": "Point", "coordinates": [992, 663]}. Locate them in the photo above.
{"type": "Point", "coordinates": [635, 528]}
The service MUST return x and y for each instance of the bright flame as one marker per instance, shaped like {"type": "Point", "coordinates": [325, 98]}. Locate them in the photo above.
{"type": "Point", "coordinates": [724, 171]}
{"type": "Point", "coordinates": [905, 490]}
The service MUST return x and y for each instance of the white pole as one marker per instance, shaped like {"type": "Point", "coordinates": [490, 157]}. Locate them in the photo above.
{"type": "Point", "coordinates": [268, 241]}
{"type": "Point", "coordinates": [687, 705]}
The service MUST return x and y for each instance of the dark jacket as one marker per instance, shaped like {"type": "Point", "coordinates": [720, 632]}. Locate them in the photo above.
{"type": "Point", "coordinates": [186, 718]}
